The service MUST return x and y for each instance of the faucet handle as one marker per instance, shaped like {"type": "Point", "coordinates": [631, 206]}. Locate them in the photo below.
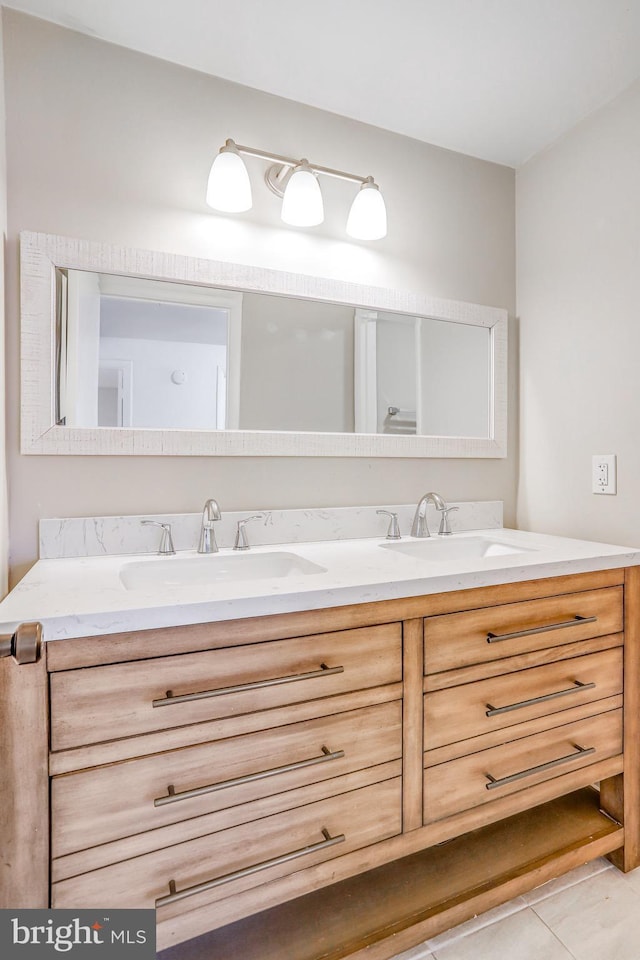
{"type": "Point", "coordinates": [166, 547]}
{"type": "Point", "coordinates": [241, 537]}
{"type": "Point", "coordinates": [445, 529]}
{"type": "Point", "coordinates": [393, 532]}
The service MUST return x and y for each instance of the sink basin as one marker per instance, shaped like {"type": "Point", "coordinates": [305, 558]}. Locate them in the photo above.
{"type": "Point", "coordinates": [217, 568]}
{"type": "Point", "coordinates": [465, 548]}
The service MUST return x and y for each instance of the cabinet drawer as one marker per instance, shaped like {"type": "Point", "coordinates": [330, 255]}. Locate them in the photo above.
{"type": "Point", "coordinates": [126, 699]}
{"type": "Point", "coordinates": [222, 864]}
{"type": "Point", "coordinates": [489, 774]}
{"type": "Point", "coordinates": [108, 803]}
{"type": "Point", "coordinates": [476, 708]}
{"type": "Point", "coordinates": [477, 636]}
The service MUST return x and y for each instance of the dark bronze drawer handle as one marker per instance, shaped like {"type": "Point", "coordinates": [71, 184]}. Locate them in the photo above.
{"type": "Point", "coordinates": [503, 781]}
{"type": "Point", "coordinates": [175, 895]}
{"type": "Point", "coordinates": [173, 797]}
{"type": "Point", "coordinates": [324, 671]}
{"type": "Point", "coordinates": [497, 637]}
{"type": "Point", "coordinates": [576, 688]}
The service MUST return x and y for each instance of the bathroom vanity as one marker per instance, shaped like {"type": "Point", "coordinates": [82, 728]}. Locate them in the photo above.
{"type": "Point", "coordinates": [327, 769]}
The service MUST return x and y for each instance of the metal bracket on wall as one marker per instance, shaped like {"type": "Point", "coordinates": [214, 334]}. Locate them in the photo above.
{"type": "Point", "coordinates": [24, 645]}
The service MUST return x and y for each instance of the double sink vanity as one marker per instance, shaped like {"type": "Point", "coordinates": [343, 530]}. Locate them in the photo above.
{"type": "Point", "coordinates": [345, 735]}
{"type": "Point", "coordinates": [335, 743]}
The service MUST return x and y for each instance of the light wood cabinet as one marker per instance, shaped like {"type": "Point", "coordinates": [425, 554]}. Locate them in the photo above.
{"type": "Point", "coordinates": [477, 636]}
{"type": "Point", "coordinates": [127, 699]}
{"type": "Point", "coordinates": [228, 862]}
{"type": "Point", "coordinates": [473, 709]}
{"type": "Point", "coordinates": [231, 774]}
{"type": "Point", "coordinates": [112, 802]}
{"type": "Point", "coordinates": [531, 723]}
{"type": "Point", "coordinates": [479, 777]}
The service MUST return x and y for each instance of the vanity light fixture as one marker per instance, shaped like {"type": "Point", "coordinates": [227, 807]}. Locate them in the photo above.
{"type": "Point", "coordinates": [229, 188]}
{"type": "Point", "coordinates": [368, 215]}
{"type": "Point", "coordinates": [296, 181]}
{"type": "Point", "coordinates": [302, 200]}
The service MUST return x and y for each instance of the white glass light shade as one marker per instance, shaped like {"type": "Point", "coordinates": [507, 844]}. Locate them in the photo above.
{"type": "Point", "coordinates": [302, 201]}
{"type": "Point", "coordinates": [229, 188]}
{"type": "Point", "coordinates": [368, 215]}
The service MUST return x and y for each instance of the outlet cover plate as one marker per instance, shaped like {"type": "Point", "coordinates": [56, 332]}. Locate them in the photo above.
{"type": "Point", "coordinates": [604, 477]}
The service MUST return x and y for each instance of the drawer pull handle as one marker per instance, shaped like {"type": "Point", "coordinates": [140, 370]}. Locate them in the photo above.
{"type": "Point", "coordinates": [175, 895]}
{"type": "Point", "coordinates": [576, 688]}
{"type": "Point", "coordinates": [503, 781]}
{"type": "Point", "coordinates": [173, 797]}
{"type": "Point", "coordinates": [324, 671]}
{"type": "Point", "coordinates": [497, 637]}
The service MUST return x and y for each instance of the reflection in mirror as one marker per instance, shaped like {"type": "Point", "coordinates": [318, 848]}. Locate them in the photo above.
{"type": "Point", "coordinates": [144, 353]}
{"type": "Point", "coordinates": [421, 376]}
{"type": "Point", "coordinates": [296, 369]}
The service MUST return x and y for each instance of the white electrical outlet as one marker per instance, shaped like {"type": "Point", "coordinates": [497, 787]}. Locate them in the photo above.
{"type": "Point", "coordinates": [604, 473]}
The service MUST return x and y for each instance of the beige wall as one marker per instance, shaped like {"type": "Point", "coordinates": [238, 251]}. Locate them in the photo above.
{"type": "Point", "coordinates": [107, 144]}
{"type": "Point", "coordinates": [4, 526]}
{"type": "Point", "coordinates": [578, 243]}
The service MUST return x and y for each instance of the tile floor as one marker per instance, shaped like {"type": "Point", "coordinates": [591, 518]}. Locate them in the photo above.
{"type": "Point", "coordinates": [592, 913]}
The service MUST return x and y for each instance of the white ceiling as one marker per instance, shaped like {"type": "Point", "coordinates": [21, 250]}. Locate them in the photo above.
{"type": "Point", "coordinates": [497, 79]}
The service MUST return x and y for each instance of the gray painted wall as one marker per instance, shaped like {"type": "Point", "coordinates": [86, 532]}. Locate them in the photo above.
{"type": "Point", "coordinates": [579, 304]}
{"type": "Point", "coordinates": [104, 143]}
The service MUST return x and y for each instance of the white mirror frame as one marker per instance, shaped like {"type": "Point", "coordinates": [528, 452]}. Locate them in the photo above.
{"type": "Point", "coordinates": [41, 253]}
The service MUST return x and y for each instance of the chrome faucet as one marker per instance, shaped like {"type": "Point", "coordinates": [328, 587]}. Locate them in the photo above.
{"type": "Point", "coordinates": [445, 528]}
{"type": "Point", "coordinates": [166, 548]}
{"type": "Point", "coordinates": [210, 514]}
{"type": "Point", "coordinates": [393, 531]}
{"type": "Point", "coordinates": [241, 536]}
{"type": "Point", "coordinates": [419, 527]}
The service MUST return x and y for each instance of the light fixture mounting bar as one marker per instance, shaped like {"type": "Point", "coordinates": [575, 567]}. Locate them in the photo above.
{"type": "Point", "coordinates": [292, 162]}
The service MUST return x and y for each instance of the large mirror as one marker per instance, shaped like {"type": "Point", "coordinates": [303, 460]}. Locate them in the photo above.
{"type": "Point", "coordinates": [129, 351]}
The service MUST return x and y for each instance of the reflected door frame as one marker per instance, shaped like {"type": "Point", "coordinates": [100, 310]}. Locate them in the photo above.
{"type": "Point", "coordinates": [157, 291]}
{"type": "Point", "coordinates": [365, 356]}
{"type": "Point", "coordinates": [124, 387]}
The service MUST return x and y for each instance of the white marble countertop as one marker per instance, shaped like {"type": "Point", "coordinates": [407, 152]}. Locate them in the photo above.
{"type": "Point", "coordinates": [86, 596]}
